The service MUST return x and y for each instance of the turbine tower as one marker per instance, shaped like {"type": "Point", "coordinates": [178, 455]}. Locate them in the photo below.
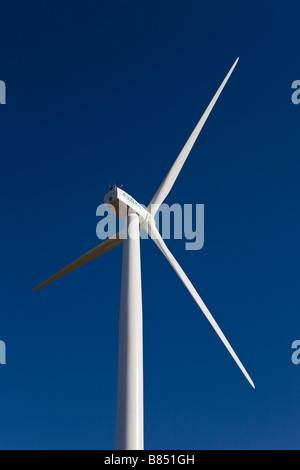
{"type": "Point", "coordinates": [130, 419]}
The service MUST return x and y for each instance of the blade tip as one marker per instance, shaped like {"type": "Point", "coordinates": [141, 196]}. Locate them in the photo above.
{"type": "Point", "coordinates": [251, 383]}
{"type": "Point", "coordinates": [37, 288]}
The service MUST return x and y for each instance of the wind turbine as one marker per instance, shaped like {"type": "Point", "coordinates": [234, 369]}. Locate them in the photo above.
{"type": "Point", "coordinates": [130, 425]}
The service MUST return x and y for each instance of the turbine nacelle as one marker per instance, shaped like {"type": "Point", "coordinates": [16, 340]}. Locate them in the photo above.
{"type": "Point", "coordinates": [119, 202]}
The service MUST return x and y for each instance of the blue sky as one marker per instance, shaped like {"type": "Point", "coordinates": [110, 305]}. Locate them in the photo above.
{"type": "Point", "coordinates": [101, 91]}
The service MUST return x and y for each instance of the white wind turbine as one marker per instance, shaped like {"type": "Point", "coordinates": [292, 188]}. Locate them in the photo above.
{"type": "Point", "coordinates": [130, 420]}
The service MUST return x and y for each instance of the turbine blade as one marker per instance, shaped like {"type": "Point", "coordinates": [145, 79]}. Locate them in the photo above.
{"type": "Point", "coordinates": [155, 235]}
{"type": "Point", "coordinates": [99, 250]}
{"type": "Point", "coordinates": [171, 177]}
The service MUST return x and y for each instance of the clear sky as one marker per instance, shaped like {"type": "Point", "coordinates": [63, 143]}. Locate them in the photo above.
{"type": "Point", "coordinates": [100, 91]}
